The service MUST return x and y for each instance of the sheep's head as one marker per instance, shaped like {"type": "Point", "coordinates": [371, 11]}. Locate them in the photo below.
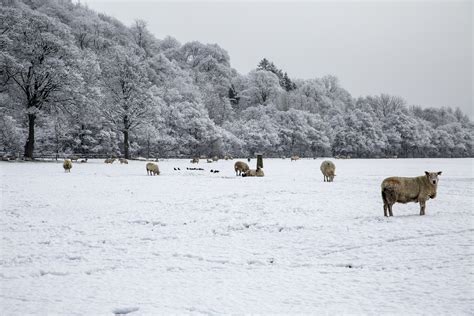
{"type": "Point", "coordinates": [433, 177]}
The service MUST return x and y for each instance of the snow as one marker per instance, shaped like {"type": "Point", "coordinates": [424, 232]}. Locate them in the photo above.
{"type": "Point", "coordinates": [108, 239]}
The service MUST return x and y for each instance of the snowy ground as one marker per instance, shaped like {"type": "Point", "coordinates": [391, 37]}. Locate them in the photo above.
{"type": "Point", "coordinates": [108, 239]}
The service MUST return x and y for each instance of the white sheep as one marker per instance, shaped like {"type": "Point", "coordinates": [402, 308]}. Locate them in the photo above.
{"type": "Point", "coordinates": [152, 169]}
{"type": "Point", "coordinates": [67, 165]}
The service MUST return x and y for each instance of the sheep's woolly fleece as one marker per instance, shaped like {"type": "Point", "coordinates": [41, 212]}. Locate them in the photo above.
{"type": "Point", "coordinates": [108, 239]}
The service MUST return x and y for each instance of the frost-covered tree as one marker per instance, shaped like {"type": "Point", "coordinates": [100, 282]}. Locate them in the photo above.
{"type": "Point", "coordinates": [39, 64]}
{"type": "Point", "coordinates": [262, 87]}
{"type": "Point", "coordinates": [130, 98]}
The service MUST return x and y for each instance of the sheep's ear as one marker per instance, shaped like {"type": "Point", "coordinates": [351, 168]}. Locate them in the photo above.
{"type": "Point", "coordinates": [439, 173]}
{"type": "Point", "coordinates": [427, 173]}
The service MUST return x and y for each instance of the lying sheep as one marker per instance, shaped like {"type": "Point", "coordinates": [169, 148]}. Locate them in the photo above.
{"type": "Point", "coordinates": [109, 160]}
{"type": "Point", "coordinates": [123, 161]}
{"type": "Point", "coordinates": [253, 173]}
{"type": "Point", "coordinates": [152, 169]}
{"type": "Point", "coordinates": [240, 167]}
{"type": "Point", "coordinates": [328, 169]}
{"type": "Point", "coordinates": [67, 165]}
{"type": "Point", "coordinates": [404, 190]}
{"type": "Point", "coordinates": [209, 160]}
{"type": "Point", "coordinates": [195, 160]}
{"type": "Point", "coordinates": [294, 158]}
{"type": "Point", "coordinates": [83, 160]}
{"type": "Point", "coordinates": [215, 158]}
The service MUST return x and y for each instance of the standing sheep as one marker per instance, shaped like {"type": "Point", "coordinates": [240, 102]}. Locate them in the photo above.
{"type": "Point", "coordinates": [328, 169]}
{"type": "Point", "coordinates": [67, 165]}
{"type": "Point", "coordinates": [152, 169]}
{"type": "Point", "coordinates": [195, 160]}
{"type": "Point", "coordinates": [240, 167]}
{"type": "Point", "coordinates": [404, 190]}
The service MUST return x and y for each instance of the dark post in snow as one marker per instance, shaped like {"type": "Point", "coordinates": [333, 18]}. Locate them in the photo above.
{"type": "Point", "coordinates": [259, 161]}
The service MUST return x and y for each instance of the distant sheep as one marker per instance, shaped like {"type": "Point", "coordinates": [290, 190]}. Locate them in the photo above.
{"type": "Point", "coordinates": [329, 170]}
{"type": "Point", "coordinates": [294, 158]}
{"type": "Point", "coordinates": [83, 160]}
{"type": "Point", "coordinates": [215, 158]}
{"type": "Point", "coordinates": [209, 160]}
{"type": "Point", "coordinates": [74, 158]}
{"type": "Point", "coordinates": [404, 190]}
{"type": "Point", "coordinates": [195, 160]}
{"type": "Point", "coordinates": [123, 161]}
{"type": "Point", "coordinates": [253, 173]}
{"type": "Point", "coordinates": [240, 167]}
{"type": "Point", "coordinates": [152, 169]}
{"type": "Point", "coordinates": [67, 165]}
{"type": "Point", "coordinates": [109, 160]}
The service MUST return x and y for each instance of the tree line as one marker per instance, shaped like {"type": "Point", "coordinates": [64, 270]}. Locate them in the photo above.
{"type": "Point", "coordinates": [76, 81]}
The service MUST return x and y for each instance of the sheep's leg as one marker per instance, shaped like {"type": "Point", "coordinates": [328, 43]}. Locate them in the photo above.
{"type": "Point", "coordinates": [390, 209]}
{"type": "Point", "coordinates": [422, 207]}
{"type": "Point", "coordinates": [385, 209]}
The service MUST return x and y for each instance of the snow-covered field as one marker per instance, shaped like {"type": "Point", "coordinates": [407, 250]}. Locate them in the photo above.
{"type": "Point", "coordinates": [107, 239]}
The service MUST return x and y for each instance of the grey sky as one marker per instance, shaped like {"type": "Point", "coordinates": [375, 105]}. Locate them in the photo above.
{"type": "Point", "coordinates": [421, 51]}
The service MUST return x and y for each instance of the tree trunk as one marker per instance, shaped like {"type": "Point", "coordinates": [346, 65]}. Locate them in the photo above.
{"type": "Point", "coordinates": [148, 147]}
{"type": "Point", "coordinates": [126, 144]}
{"type": "Point", "coordinates": [30, 142]}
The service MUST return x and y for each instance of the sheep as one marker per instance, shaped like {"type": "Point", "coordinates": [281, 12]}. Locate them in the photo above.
{"type": "Point", "coordinates": [209, 160]}
{"type": "Point", "coordinates": [123, 161]}
{"type": "Point", "coordinates": [226, 157]}
{"type": "Point", "coordinates": [215, 158]}
{"type": "Point", "coordinates": [240, 167]}
{"type": "Point", "coordinates": [328, 169]}
{"type": "Point", "coordinates": [74, 158]}
{"type": "Point", "coordinates": [253, 173]}
{"type": "Point", "coordinates": [109, 160]}
{"type": "Point", "coordinates": [294, 158]}
{"type": "Point", "coordinates": [67, 165]}
{"type": "Point", "coordinates": [404, 190]}
{"type": "Point", "coordinates": [195, 160]}
{"type": "Point", "coordinates": [83, 160]}
{"type": "Point", "coordinates": [152, 169]}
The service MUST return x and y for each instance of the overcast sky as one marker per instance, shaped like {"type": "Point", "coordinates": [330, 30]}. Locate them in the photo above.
{"type": "Point", "coordinates": [421, 50]}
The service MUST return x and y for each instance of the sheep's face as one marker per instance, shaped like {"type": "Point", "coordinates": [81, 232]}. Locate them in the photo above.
{"type": "Point", "coordinates": [433, 177]}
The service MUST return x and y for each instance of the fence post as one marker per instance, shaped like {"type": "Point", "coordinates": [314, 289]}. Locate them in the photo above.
{"type": "Point", "coordinates": [259, 161]}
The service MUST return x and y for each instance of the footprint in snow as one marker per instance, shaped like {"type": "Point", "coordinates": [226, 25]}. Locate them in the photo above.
{"type": "Point", "coordinates": [124, 310]}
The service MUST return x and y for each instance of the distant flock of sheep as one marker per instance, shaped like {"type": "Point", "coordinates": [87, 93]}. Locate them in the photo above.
{"type": "Point", "coordinates": [394, 189]}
